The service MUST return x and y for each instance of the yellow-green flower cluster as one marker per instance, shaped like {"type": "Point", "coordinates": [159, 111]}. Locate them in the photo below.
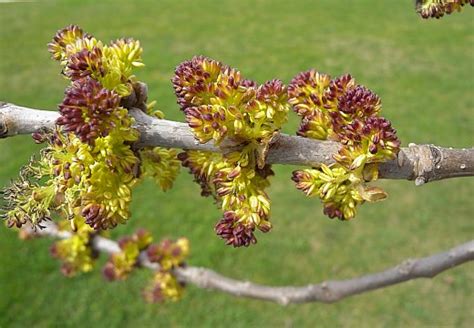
{"type": "Point", "coordinates": [164, 287]}
{"type": "Point", "coordinates": [437, 8]}
{"type": "Point", "coordinates": [111, 65]}
{"type": "Point", "coordinates": [69, 41]}
{"type": "Point", "coordinates": [89, 166]}
{"type": "Point", "coordinates": [74, 178]}
{"type": "Point", "coordinates": [26, 200]}
{"type": "Point", "coordinates": [93, 164]}
{"type": "Point", "coordinates": [168, 253]}
{"type": "Point", "coordinates": [161, 164]}
{"type": "Point", "coordinates": [341, 190]}
{"type": "Point", "coordinates": [220, 105]}
{"type": "Point", "coordinates": [240, 191]}
{"type": "Point", "coordinates": [94, 181]}
{"type": "Point", "coordinates": [339, 109]}
{"type": "Point", "coordinates": [204, 166]}
{"type": "Point", "coordinates": [327, 105]}
{"type": "Point", "coordinates": [75, 252]}
{"type": "Point", "coordinates": [90, 111]}
{"type": "Point", "coordinates": [119, 265]}
{"type": "Point", "coordinates": [370, 141]}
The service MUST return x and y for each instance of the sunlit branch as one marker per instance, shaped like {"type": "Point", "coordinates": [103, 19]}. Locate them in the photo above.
{"type": "Point", "coordinates": [421, 163]}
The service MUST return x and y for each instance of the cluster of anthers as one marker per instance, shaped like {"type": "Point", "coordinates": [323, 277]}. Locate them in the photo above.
{"type": "Point", "coordinates": [76, 252]}
{"type": "Point", "coordinates": [341, 110]}
{"type": "Point", "coordinates": [120, 264]}
{"type": "Point", "coordinates": [86, 172]}
{"type": "Point", "coordinates": [242, 118]}
{"type": "Point", "coordinates": [438, 8]}
{"type": "Point", "coordinates": [88, 168]}
{"type": "Point", "coordinates": [167, 255]}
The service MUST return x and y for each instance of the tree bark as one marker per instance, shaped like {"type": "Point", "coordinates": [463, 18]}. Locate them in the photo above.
{"type": "Point", "coordinates": [421, 163]}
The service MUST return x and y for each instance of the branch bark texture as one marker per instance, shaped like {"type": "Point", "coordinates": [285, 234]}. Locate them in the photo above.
{"type": "Point", "coordinates": [421, 163]}
{"type": "Point", "coordinates": [326, 292]}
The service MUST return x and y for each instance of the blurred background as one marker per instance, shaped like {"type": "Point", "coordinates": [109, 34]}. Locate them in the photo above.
{"type": "Point", "coordinates": [422, 70]}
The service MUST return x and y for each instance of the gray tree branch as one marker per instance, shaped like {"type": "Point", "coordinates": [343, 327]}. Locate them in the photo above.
{"type": "Point", "coordinates": [422, 163]}
{"type": "Point", "coordinates": [326, 292]}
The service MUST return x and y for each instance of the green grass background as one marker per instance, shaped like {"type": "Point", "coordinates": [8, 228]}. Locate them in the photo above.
{"type": "Point", "coordinates": [423, 71]}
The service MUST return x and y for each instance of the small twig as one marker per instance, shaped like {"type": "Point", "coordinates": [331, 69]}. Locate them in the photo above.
{"type": "Point", "coordinates": [325, 292]}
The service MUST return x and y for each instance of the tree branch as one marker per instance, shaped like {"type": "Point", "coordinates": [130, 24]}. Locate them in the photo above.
{"type": "Point", "coordinates": [422, 163]}
{"type": "Point", "coordinates": [326, 292]}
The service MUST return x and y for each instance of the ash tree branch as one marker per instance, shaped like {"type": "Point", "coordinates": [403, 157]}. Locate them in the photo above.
{"type": "Point", "coordinates": [326, 292]}
{"type": "Point", "coordinates": [422, 163]}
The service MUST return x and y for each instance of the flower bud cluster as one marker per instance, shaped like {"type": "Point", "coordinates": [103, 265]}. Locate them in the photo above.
{"type": "Point", "coordinates": [84, 56]}
{"type": "Point", "coordinates": [89, 167]}
{"type": "Point", "coordinates": [239, 190]}
{"type": "Point", "coordinates": [219, 103]}
{"type": "Point", "coordinates": [119, 265]}
{"type": "Point", "coordinates": [94, 167]}
{"type": "Point", "coordinates": [245, 203]}
{"type": "Point", "coordinates": [327, 105]}
{"type": "Point", "coordinates": [164, 287]}
{"type": "Point", "coordinates": [26, 200]}
{"type": "Point", "coordinates": [341, 110]}
{"type": "Point", "coordinates": [168, 254]}
{"type": "Point", "coordinates": [370, 141]}
{"type": "Point", "coordinates": [68, 42]}
{"type": "Point", "coordinates": [203, 166]}
{"type": "Point", "coordinates": [161, 164]}
{"type": "Point", "coordinates": [242, 118]}
{"type": "Point", "coordinates": [94, 181]}
{"type": "Point", "coordinates": [90, 111]}
{"type": "Point", "coordinates": [75, 252]}
{"type": "Point", "coordinates": [77, 255]}
{"type": "Point", "coordinates": [438, 8]}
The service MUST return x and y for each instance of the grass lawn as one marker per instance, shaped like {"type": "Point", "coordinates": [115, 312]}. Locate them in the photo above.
{"type": "Point", "coordinates": [422, 70]}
